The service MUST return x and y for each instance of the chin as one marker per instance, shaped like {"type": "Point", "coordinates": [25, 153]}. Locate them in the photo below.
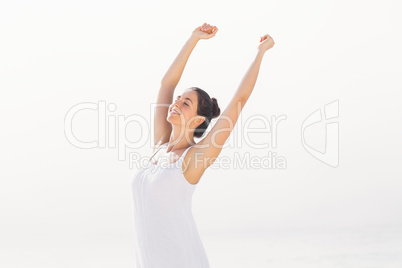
{"type": "Point", "coordinates": [172, 119]}
{"type": "Point", "coordinates": [175, 120]}
{"type": "Point", "coordinates": [174, 116]}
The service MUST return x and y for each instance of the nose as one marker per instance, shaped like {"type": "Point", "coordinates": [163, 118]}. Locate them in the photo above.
{"type": "Point", "coordinates": [176, 103]}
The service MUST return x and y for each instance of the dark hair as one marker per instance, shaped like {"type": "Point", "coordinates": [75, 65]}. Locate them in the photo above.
{"type": "Point", "coordinates": [207, 107]}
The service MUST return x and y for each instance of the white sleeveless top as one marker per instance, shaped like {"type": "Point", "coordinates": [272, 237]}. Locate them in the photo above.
{"type": "Point", "coordinates": [165, 232]}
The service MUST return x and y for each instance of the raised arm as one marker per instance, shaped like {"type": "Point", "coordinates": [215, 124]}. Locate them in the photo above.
{"type": "Point", "coordinates": [162, 128]}
{"type": "Point", "coordinates": [210, 147]}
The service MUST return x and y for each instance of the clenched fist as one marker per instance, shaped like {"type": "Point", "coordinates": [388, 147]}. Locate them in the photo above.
{"type": "Point", "coordinates": [205, 31]}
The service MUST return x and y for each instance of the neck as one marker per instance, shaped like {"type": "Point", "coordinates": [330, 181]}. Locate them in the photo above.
{"type": "Point", "coordinates": [179, 140]}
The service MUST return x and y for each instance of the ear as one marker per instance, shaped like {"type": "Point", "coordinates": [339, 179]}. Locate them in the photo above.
{"type": "Point", "coordinates": [200, 120]}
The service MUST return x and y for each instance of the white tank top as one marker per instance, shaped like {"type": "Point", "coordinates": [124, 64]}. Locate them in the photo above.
{"type": "Point", "coordinates": [165, 233]}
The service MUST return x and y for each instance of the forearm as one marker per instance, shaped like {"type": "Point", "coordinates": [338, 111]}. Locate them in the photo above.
{"type": "Point", "coordinates": [248, 82]}
{"type": "Point", "coordinates": [173, 75]}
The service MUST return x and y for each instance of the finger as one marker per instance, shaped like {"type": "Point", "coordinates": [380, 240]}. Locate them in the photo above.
{"type": "Point", "coordinates": [208, 31]}
{"type": "Point", "coordinates": [207, 27]}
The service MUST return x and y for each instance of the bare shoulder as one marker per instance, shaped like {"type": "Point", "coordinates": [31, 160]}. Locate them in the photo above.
{"type": "Point", "coordinates": [195, 163]}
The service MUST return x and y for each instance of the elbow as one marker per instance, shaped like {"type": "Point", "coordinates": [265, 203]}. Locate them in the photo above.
{"type": "Point", "coordinates": [241, 100]}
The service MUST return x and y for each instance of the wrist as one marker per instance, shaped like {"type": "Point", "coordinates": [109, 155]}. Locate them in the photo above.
{"type": "Point", "coordinates": [194, 37]}
{"type": "Point", "coordinates": [261, 52]}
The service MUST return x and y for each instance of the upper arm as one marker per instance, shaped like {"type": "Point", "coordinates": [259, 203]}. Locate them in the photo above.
{"type": "Point", "coordinates": [211, 146]}
{"type": "Point", "coordinates": [162, 128]}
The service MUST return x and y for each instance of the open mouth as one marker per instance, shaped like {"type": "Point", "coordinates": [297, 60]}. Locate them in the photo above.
{"type": "Point", "coordinates": [174, 112]}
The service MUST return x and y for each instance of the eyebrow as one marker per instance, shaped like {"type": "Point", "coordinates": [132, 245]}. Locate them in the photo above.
{"type": "Point", "coordinates": [186, 99]}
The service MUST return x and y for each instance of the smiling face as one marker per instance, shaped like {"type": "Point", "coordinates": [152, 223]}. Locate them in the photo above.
{"type": "Point", "coordinates": [186, 105]}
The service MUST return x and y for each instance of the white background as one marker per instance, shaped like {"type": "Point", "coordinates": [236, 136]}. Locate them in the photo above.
{"type": "Point", "coordinates": [62, 206]}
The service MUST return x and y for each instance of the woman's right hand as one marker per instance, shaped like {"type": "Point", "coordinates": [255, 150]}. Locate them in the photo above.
{"type": "Point", "coordinates": [205, 31]}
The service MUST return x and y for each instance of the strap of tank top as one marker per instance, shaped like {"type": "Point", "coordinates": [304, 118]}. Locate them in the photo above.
{"type": "Point", "coordinates": [157, 151]}
{"type": "Point", "coordinates": [184, 153]}
{"type": "Point", "coordinates": [181, 157]}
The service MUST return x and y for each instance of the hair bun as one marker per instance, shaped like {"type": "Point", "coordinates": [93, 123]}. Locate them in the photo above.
{"type": "Point", "coordinates": [216, 110]}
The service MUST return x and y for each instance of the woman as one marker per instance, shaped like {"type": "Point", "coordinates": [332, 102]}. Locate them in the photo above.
{"type": "Point", "coordinates": [166, 235]}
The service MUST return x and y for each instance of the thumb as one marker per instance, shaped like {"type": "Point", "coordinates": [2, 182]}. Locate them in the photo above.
{"type": "Point", "coordinates": [214, 32]}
